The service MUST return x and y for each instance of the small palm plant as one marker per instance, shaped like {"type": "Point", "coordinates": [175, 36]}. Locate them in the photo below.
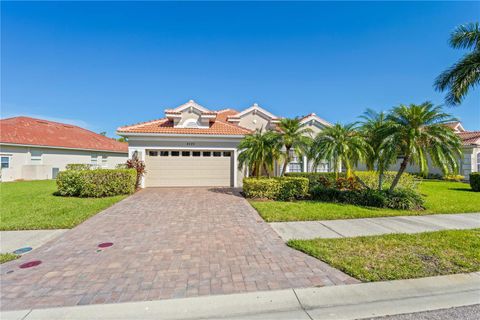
{"type": "Point", "coordinates": [341, 143]}
{"type": "Point", "coordinates": [465, 74]}
{"type": "Point", "coordinates": [415, 131]}
{"type": "Point", "coordinates": [259, 151]}
{"type": "Point", "coordinates": [138, 165]}
{"type": "Point", "coordinates": [294, 136]}
{"type": "Point", "coordinates": [380, 155]}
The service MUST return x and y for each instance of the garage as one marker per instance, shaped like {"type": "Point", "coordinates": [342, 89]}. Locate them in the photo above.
{"type": "Point", "coordinates": [188, 168]}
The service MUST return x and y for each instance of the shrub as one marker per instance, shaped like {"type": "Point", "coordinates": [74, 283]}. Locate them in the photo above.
{"type": "Point", "coordinates": [139, 167]}
{"type": "Point", "coordinates": [96, 183]}
{"type": "Point", "coordinates": [69, 183]}
{"type": "Point", "coordinates": [78, 166]}
{"type": "Point", "coordinates": [453, 177]}
{"type": "Point", "coordinates": [281, 188]}
{"type": "Point", "coordinates": [370, 178]}
{"type": "Point", "coordinates": [430, 176]}
{"type": "Point", "coordinates": [398, 199]}
{"type": "Point", "coordinates": [475, 181]}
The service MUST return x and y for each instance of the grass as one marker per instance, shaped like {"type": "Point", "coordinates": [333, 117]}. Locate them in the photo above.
{"type": "Point", "coordinates": [5, 257]}
{"type": "Point", "coordinates": [30, 205]}
{"type": "Point", "coordinates": [399, 256]}
{"type": "Point", "coordinates": [440, 197]}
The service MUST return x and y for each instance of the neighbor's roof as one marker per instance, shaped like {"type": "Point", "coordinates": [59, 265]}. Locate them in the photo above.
{"type": "Point", "coordinates": [165, 126]}
{"type": "Point", "coordinates": [38, 132]}
{"type": "Point", "coordinates": [470, 137]}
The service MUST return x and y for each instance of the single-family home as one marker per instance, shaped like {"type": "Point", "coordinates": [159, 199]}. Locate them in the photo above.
{"type": "Point", "coordinates": [196, 146]}
{"type": "Point", "coordinates": [34, 149]}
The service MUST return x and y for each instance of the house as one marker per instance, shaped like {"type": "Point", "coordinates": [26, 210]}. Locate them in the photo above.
{"type": "Point", "coordinates": [33, 149]}
{"type": "Point", "coordinates": [195, 146]}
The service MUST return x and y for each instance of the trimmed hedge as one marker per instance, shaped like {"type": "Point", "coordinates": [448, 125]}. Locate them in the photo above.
{"type": "Point", "coordinates": [402, 199]}
{"type": "Point", "coordinates": [279, 188]}
{"type": "Point", "coordinates": [370, 178]}
{"type": "Point", "coordinates": [96, 183]}
{"type": "Point", "coordinates": [453, 177]}
{"type": "Point", "coordinates": [78, 166]}
{"type": "Point", "coordinates": [475, 181]}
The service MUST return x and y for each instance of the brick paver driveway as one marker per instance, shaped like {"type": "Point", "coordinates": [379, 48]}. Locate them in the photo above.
{"type": "Point", "coordinates": [168, 243]}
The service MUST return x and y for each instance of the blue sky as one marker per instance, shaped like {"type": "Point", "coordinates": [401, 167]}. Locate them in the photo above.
{"type": "Point", "coordinates": [103, 65]}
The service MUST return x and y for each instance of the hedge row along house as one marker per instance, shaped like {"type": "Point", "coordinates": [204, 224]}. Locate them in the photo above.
{"type": "Point", "coordinates": [36, 149]}
{"type": "Point", "coordinates": [195, 146]}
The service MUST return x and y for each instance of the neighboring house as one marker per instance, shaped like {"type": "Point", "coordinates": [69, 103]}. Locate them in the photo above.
{"type": "Point", "coordinates": [34, 149]}
{"type": "Point", "coordinates": [195, 146]}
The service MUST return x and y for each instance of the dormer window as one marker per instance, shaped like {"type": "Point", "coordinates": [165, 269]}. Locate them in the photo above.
{"type": "Point", "coordinates": [191, 123]}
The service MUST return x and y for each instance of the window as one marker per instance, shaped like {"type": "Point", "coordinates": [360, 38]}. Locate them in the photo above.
{"type": "Point", "coordinates": [294, 167]}
{"type": "Point", "coordinates": [207, 153]}
{"type": "Point", "coordinates": [478, 162]}
{"type": "Point", "coordinates": [94, 159]}
{"type": "Point", "coordinates": [104, 161]}
{"type": "Point", "coordinates": [163, 153]}
{"type": "Point", "coordinates": [35, 157]}
{"type": "Point", "coordinates": [323, 167]}
{"type": "Point", "coordinates": [153, 153]}
{"type": "Point", "coordinates": [217, 154]}
{"type": "Point", "coordinates": [175, 153]}
{"type": "Point", "coordinates": [196, 153]}
{"type": "Point", "coordinates": [5, 162]}
{"type": "Point", "coordinates": [227, 154]}
{"type": "Point", "coordinates": [190, 123]}
{"type": "Point", "coordinates": [185, 153]}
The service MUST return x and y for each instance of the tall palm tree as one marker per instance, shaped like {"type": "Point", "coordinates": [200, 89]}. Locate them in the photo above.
{"type": "Point", "coordinates": [259, 151]}
{"type": "Point", "coordinates": [465, 74]}
{"type": "Point", "coordinates": [416, 131]}
{"type": "Point", "coordinates": [294, 136]}
{"type": "Point", "coordinates": [341, 143]}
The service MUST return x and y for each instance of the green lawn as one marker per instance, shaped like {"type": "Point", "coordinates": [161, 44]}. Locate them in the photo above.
{"type": "Point", "coordinates": [399, 256]}
{"type": "Point", "coordinates": [28, 205]}
{"type": "Point", "coordinates": [5, 257]}
{"type": "Point", "coordinates": [440, 197]}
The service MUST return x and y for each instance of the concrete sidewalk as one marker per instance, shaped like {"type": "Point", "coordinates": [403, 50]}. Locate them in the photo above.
{"type": "Point", "coordinates": [13, 240]}
{"type": "Point", "coordinates": [374, 226]}
{"type": "Point", "coordinates": [355, 301]}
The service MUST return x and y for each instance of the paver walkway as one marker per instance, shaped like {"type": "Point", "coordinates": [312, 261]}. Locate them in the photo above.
{"type": "Point", "coordinates": [374, 226]}
{"type": "Point", "coordinates": [13, 240]}
{"type": "Point", "coordinates": [167, 243]}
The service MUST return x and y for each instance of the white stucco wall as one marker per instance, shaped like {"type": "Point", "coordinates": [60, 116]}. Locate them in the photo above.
{"type": "Point", "coordinates": [23, 167]}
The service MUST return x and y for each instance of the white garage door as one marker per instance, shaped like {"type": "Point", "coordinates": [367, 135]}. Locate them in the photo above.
{"type": "Point", "coordinates": [181, 168]}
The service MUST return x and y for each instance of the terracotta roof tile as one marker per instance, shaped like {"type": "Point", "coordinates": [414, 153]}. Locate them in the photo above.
{"type": "Point", "coordinates": [470, 137]}
{"type": "Point", "coordinates": [31, 131]}
{"type": "Point", "coordinates": [219, 127]}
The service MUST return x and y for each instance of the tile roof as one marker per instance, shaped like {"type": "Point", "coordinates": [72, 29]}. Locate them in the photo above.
{"type": "Point", "coordinates": [31, 131]}
{"type": "Point", "coordinates": [469, 137]}
{"type": "Point", "coordinates": [219, 127]}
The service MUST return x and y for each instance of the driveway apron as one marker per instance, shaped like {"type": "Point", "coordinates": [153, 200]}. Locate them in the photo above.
{"type": "Point", "coordinates": [167, 243]}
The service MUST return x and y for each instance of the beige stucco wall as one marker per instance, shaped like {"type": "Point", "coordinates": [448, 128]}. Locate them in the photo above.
{"type": "Point", "coordinates": [22, 166]}
{"type": "Point", "coordinates": [254, 121]}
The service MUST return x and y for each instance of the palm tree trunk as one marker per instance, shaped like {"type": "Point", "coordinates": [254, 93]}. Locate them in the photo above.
{"type": "Point", "coordinates": [287, 161]}
{"type": "Point", "coordinates": [402, 168]}
{"type": "Point", "coordinates": [380, 180]}
{"type": "Point", "coordinates": [266, 170]}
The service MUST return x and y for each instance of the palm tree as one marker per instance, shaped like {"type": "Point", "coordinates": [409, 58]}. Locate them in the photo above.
{"type": "Point", "coordinates": [259, 151]}
{"type": "Point", "coordinates": [341, 143]}
{"type": "Point", "coordinates": [417, 130]}
{"type": "Point", "coordinates": [371, 127]}
{"type": "Point", "coordinates": [380, 155]}
{"type": "Point", "coordinates": [465, 74]}
{"type": "Point", "coordinates": [294, 136]}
